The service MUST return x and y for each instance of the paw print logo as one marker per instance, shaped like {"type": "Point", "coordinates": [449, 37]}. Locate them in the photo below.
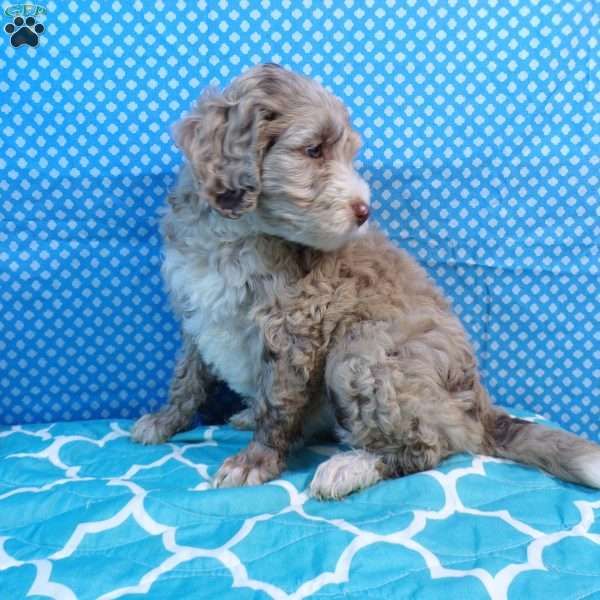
{"type": "Point", "coordinates": [24, 31]}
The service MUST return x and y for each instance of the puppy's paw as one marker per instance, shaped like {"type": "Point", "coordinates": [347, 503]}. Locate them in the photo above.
{"type": "Point", "coordinates": [345, 473]}
{"type": "Point", "coordinates": [254, 465]}
{"type": "Point", "coordinates": [244, 420]}
{"type": "Point", "coordinates": [151, 429]}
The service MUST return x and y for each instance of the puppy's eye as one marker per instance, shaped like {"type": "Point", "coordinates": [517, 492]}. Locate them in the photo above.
{"type": "Point", "coordinates": [314, 151]}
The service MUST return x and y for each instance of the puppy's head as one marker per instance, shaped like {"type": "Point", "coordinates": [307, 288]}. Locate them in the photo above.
{"type": "Point", "coordinates": [280, 145]}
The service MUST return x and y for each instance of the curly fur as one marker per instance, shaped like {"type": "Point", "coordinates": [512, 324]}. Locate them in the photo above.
{"type": "Point", "coordinates": [312, 316]}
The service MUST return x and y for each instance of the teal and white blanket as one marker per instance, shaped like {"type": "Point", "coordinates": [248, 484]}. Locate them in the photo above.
{"type": "Point", "coordinates": [85, 513]}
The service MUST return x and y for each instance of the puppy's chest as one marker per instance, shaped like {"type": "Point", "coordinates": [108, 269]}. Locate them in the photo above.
{"type": "Point", "coordinates": [214, 299]}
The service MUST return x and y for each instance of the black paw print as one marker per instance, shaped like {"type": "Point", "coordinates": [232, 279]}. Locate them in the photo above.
{"type": "Point", "coordinates": [24, 31]}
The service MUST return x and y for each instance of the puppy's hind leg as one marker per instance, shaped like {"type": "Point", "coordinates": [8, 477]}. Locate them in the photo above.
{"type": "Point", "coordinates": [345, 473]}
{"type": "Point", "coordinates": [187, 394]}
{"type": "Point", "coordinates": [243, 420]}
{"type": "Point", "coordinates": [386, 402]}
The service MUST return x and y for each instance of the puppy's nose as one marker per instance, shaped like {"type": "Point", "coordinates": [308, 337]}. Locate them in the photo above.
{"type": "Point", "coordinates": [361, 211]}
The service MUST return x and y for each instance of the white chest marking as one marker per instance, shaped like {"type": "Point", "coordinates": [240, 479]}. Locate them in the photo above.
{"type": "Point", "coordinates": [213, 305]}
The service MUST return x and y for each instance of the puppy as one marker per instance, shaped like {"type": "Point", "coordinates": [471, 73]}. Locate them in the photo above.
{"type": "Point", "coordinates": [287, 294]}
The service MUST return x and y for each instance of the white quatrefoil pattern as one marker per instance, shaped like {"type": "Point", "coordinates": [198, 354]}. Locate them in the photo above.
{"type": "Point", "coordinates": [481, 136]}
{"type": "Point", "coordinates": [87, 514]}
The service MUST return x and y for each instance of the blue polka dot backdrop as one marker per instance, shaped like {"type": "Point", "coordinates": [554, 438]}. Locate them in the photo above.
{"type": "Point", "coordinates": [480, 129]}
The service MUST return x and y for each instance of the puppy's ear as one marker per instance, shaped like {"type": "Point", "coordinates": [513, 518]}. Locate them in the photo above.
{"type": "Point", "coordinates": [222, 140]}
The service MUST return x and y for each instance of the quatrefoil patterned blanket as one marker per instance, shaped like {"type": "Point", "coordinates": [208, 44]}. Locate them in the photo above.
{"type": "Point", "coordinates": [85, 513]}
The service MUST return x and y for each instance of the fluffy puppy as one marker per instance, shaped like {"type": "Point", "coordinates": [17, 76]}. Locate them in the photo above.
{"type": "Point", "coordinates": [286, 294]}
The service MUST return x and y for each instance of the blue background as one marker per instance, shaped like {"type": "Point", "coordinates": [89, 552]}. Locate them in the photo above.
{"type": "Point", "coordinates": [480, 128]}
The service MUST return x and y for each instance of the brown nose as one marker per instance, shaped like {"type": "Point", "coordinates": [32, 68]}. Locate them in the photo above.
{"type": "Point", "coordinates": [361, 211]}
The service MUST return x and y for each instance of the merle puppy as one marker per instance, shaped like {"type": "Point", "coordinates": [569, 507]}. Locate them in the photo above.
{"type": "Point", "coordinates": [291, 297]}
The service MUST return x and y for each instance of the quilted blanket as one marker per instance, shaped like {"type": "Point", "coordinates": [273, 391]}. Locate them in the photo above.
{"type": "Point", "coordinates": [85, 513]}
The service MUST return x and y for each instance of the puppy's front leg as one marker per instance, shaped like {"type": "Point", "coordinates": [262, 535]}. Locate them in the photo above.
{"type": "Point", "coordinates": [189, 387]}
{"type": "Point", "coordinates": [279, 411]}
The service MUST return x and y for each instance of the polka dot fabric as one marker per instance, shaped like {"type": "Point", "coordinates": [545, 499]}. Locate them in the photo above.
{"type": "Point", "coordinates": [480, 128]}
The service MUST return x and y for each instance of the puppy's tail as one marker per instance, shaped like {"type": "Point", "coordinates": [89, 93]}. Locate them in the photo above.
{"type": "Point", "coordinates": [560, 453]}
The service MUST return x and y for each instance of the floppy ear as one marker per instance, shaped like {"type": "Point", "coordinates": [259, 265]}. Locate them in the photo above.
{"type": "Point", "coordinates": [221, 139]}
